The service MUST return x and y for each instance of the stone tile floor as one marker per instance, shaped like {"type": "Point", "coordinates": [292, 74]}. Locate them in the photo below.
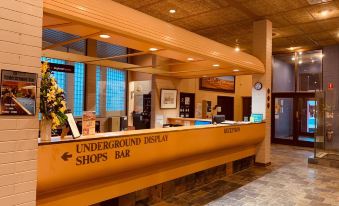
{"type": "Point", "coordinates": [289, 181]}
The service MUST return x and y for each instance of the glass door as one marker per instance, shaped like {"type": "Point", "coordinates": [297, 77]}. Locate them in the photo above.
{"type": "Point", "coordinates": [293, 119]}
{"type": "Point", "coordinates": [305, 119]}
{"type": "Point", "coordinates": [282, 123]}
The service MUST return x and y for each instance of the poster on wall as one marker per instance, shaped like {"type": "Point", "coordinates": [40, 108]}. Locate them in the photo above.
{"type": "Point", "coordinates": [18, 93]}
{"type": "Point", "coordinates": [168, 99]}
{"type": "Point", "coordinates": [218, 84]}
{"type": "Point", "coordinates": [88, 123]}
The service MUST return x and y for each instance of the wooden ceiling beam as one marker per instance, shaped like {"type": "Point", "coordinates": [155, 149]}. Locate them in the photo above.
{"type": "Point", "coordinates": [54, 26]}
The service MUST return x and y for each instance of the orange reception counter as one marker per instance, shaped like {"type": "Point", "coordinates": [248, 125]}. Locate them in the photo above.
{"type": "Point", "coordinates": [92, 169]}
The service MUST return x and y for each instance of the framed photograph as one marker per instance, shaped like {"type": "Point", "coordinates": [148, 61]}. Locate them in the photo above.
{"type": "Point", "coordinates": [218, 84]}
{"type": "Point", "coordinates": [72, 125]}
{"type": "Point", "coordinates": [18, 93]}
{"type": "Point", "coordinates": [168, 98]}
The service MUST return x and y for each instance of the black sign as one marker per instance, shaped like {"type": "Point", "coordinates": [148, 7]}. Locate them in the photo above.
{"type": "Point", "coordinates": [61, 68]}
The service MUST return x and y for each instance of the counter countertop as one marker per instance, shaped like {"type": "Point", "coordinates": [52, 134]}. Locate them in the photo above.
{"type": "Point", "coordinates": [189, 119]}
{"type": "Point", "coordinates": [56, 140]}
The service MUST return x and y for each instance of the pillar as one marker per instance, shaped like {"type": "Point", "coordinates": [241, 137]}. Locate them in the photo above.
{"type": "Point", "coordinates": [20, 50]}
{"type": "Point", "coordinates": [90, 83]}
{"type": "Point", "coordinates": [261, 99]}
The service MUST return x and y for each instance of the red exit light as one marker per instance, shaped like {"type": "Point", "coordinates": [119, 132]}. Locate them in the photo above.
{"type": "Point", "coordinates": [330, 86]}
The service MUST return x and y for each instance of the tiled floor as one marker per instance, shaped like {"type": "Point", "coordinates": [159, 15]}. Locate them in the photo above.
{"type": "Point", "coordinates": [288, 181]}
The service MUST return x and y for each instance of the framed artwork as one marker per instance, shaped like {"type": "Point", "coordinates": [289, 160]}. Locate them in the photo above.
{"type": "Point", "coordinates": [218, 84]}
{"type": "Point", "coordinates": [168, 98]}
{"type": "Point", "coordinates": [18, 93]}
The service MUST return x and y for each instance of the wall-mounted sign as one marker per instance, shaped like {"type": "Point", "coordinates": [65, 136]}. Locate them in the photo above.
{"type": "Point", "coordinates": [18, 93]}
{"type": "Point", "coordinates": [61, 67]}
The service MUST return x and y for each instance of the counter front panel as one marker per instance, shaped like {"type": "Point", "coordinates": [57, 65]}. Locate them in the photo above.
{"type": "Point", "coordinates": [68, 163]}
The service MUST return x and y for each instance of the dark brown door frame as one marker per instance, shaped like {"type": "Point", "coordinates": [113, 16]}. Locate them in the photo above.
{"type": "Point", "coordinates": [295, 97]}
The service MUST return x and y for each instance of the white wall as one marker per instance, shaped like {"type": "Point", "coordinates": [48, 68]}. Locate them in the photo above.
{"type": "Point", "coordinates": [20, 49]}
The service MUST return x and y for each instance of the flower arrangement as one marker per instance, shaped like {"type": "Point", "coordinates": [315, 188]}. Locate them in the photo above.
{"type": "Point", "coordinates": [52, 98]}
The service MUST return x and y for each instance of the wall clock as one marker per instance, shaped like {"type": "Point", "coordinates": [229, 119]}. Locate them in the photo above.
{"type": "Point", "coordinates": [258, 86]}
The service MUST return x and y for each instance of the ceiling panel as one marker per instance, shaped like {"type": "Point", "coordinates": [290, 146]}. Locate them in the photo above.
{"type": "Point", "coordinates": [278, 20]}
{"type": "Point", "coordinates": [288, 31]}
{"type": "Point", "coordinates": [312, 27]}
{"type": "Point", "coordinates": [136, 3]}
{"type": "Point", "coordinates": [296, 23]}
{"type": "Point", "coordinates": [298, 16]}
{"type": "Point", "coordinates": [329, 24]}
{"type": "Point", "coordinates": [320, 36]}
{"type": "Point", "coordinates": [317, 11]}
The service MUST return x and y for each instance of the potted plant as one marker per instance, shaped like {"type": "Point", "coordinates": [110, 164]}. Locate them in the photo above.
{"type": "Point", "coordinates": [52, 104]}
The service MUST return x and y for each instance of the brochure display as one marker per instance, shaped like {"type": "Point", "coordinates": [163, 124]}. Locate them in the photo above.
{"type": "Point", "coordinates": [88, 123]}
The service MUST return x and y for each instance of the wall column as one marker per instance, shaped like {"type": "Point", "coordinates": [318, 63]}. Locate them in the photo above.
{"type": "Point", "coordinates": [20, 50]}
{"type": "Point", "coordinates": [90, 83]}
{"type": "Point", "coordinates": [261, 100]}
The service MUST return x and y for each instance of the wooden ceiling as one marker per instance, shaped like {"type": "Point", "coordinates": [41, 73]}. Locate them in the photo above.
{"type": "Point", "coordinates": [301, 24]}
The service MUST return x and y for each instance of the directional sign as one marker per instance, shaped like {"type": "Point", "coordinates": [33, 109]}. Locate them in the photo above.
{"type": "Point", "coordinates": [66, 156]}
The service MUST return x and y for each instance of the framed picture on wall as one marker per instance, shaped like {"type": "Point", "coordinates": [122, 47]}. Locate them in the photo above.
{"type": "Point", "coordinates": [168, 98]}
{"type": "Point", "coordinates": [18, 93]}
{"type": "Point", "coordinates": [218, 84]}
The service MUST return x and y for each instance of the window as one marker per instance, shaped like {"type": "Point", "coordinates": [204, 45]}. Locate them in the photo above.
{"type": "Point", "coordinates": [296, 72]}
{"type": "Point", "coordinates": [97, 92]}
{"type": "Point", "coordinates": [115, 90]}
{"type": "Point", "coordinates": [60, 77]}
{"type": "Point", "coordinates": [79, 76]}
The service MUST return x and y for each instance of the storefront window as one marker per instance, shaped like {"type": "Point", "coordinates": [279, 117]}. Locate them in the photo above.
{"type": "Point", "coordinates": [309, 70]}
{"type": "Point", "coordinates": [283, 73]}
{"type": "Point", "coordinates": [115, 90]}
{"type": "Point", "coordinates": [79, 77]}
{"type": "Point", "coordinates": [60, 77]}
{"type": "Point", "coordinates": [97, 93]}
{"type": "Point", "coordinates": [297, 72]}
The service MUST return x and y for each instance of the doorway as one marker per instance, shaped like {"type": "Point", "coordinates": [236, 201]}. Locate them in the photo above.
{"type": "Point", "coordinates": [227, 106]}
{"type": "Point", "coordinates": [293, 119]}
{"type": "Point", "coordinates": [246, 108]}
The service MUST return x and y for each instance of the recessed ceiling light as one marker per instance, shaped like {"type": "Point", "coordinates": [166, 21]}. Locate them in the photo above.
{"type": "Point", "coordinates": [105, 36]}
{"type": "Point", "coordinates": [172, 11]}
{"type": "Point", "coordinates": [300, 53]}
{"type": "Point", "coordinates": [324, 12]}
{"type": "Point", "coordinates": [153, 49]}
{"type": "Point", "coordinates": [216, 65]}
{"type": "Point", "coordinates": [236, 70]}
{"type": "Point", "coordinates": [237, 48]}
{"type": "Point", "coordinates": [190, 59]}
{"type": "Point", "coordinates": [300, 61]}
{"type": "Point", "coordinates": [291, 48]}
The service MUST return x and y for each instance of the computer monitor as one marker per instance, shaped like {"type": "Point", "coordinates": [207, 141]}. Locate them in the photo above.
{"type": "Point", "coordinates": [218, 118]}
{"type": "Point", "coordinates": [199, 122]}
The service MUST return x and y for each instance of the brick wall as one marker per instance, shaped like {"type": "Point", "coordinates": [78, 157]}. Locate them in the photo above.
{"type": "Point", "coordinates": [20, 49]}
